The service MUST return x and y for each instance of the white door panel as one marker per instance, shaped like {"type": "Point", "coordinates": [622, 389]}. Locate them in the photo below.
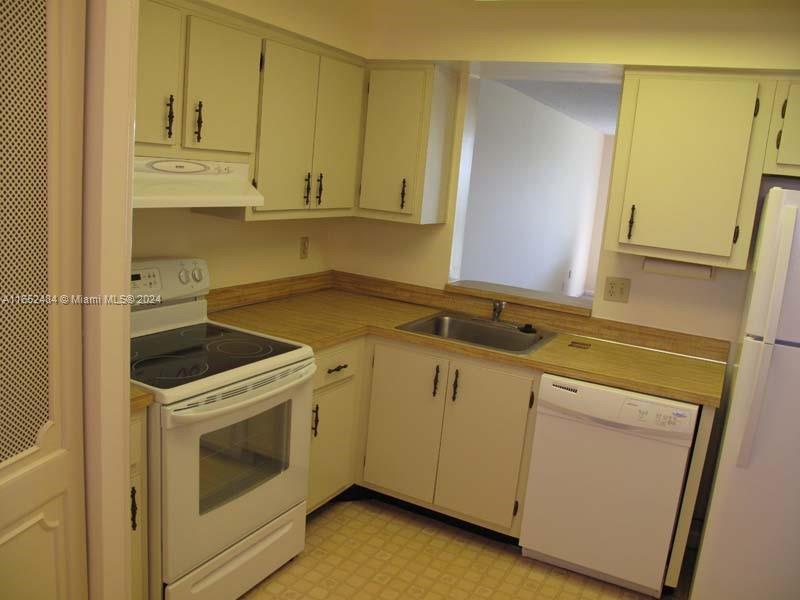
{"type": "Point", "coordinates": [42, 521]}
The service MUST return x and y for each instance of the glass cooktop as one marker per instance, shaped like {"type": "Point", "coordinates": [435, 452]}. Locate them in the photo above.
{"type": "Point", "coordinates": [171, 358]}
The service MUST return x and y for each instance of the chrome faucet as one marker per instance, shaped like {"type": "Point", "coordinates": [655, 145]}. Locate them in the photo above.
{"type": "Point", "coordinates": [497, 309]}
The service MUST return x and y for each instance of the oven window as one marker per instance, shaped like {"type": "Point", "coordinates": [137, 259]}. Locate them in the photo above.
{"type": "Point", "coordinates": [242, 456]}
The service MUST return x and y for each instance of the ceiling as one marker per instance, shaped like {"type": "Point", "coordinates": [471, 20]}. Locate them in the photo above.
{"type": "Point", "coordinates": [593, 104]}
{"type": "Point", "coordinates": [588, 93]}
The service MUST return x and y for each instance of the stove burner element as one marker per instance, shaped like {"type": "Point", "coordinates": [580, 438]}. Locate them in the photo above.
{"type": "Point", "coordinates": [169, 367]}
{"type": "Point", "coordinates": [240, 348]}
{"type": "Point", "coordinates": [179, 356]}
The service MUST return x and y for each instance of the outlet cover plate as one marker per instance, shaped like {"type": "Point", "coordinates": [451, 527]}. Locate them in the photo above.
{"type": "Point", "coordinates": [617, 289]}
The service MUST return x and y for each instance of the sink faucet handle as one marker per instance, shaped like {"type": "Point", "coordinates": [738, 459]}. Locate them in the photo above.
{"type": "Point", "coordinates": [497, 309]}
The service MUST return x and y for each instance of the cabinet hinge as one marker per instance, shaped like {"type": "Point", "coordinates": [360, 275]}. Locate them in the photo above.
{"type": "Point", "coordinates": [735, 234]}
{"type": "Point", "coordinates": [783, 108]}
{"type": "Point", "coordinates": [516, 507]}
{"type": "Point", "coordinates": [261, 62]}
{"type": "Point", "coordinates": [758, 105]}
{"type": "Point", "coordinates": [778, 139]}
{"type": "Point", "coordinates": [530, 403]}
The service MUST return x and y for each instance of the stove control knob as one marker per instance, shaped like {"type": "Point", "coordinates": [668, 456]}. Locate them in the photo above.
{"type": "Point", "coordinates": [197, 274]}
{"type": "Point", "coordinates": [183, 275]}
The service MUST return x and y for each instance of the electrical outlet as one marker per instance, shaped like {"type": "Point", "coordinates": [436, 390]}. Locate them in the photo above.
{"type": "Point", "coordinates": [617, 289]}
{"type": "Point", "coordinates": [304, 247]}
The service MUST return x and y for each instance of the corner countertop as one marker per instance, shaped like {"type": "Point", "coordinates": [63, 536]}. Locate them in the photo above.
{"type": "Point", "coordinates": [140, 398]}
{"type": "Point", "coordinates": [327, 318]}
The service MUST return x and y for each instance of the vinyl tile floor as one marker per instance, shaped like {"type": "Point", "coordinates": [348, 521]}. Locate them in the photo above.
{"type": "Point", "coordinates": [370, 550]}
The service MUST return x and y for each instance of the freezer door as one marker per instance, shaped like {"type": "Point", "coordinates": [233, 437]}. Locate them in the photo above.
{"type": "Point", "coordinates": [776, 271]}
{"type": "Point", "coordinates": [788, 326]}
{"type": "Point", "coordinates": [750, 543]}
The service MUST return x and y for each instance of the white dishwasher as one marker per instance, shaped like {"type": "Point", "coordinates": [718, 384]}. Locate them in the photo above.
{"type": "Point", "coordinates": [606, 475]}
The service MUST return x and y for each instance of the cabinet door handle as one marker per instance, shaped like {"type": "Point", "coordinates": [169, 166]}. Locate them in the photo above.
{"type": "Point", "coordinates": [319, 189]}
{"type": "Point", "coordinates": [170, 115]}
{"type": "Point", "coordinates": [134, 508]}
{"type": "Point", "coordinates": [455, 386]}
{"type": "Point", "coordinates": [315, 422]}
{"type": "Point", "coordinates": [337, 369]}
{"type": "Point", "coordinates": [631, 221]}
{"type": "Point", "coordinates": [403, 194]}
{"type": "Point", "coordinates": [199, 111]}
{"type": "Point", "coordinates": [307, 194]}
{"type": "Point", "coordinates": [436, 381]}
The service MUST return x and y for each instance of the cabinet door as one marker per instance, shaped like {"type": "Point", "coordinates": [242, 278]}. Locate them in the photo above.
{"type": "Point", "coordinates": [331, 469]}
{"type": "Point", "coordinates": [159, 74]}
{"type": "Point", "coordinates": [482, 438]}
{"type": "Point", "coordinates": [393, 139]}
{"type": "Point", "coordinates": [222, 73]}
{"type": "Point", "coordinates": [405, 421]}
{"type": "Point", "coordinates": [687, 162]}
{"type": "Point", "coordinates": [337, 139]}
{"type": "Point", "coordinates": [138, 550]}
{"type": "Point", "coordinates": [789, 141]}
{"type": "Point", "coordinates": [286, 138]}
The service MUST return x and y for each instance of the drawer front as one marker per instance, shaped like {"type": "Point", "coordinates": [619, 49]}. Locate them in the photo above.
{"type": "Point", "coordinates": [336, 364]}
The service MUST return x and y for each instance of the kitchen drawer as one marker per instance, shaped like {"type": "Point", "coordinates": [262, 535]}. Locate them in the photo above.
{"type": "Point", "coordinates": [336, 364]}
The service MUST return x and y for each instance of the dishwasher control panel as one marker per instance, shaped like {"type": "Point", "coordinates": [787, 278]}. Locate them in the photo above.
{"type": "Point", "coordinates": [667, 418]}
{"type": "Point", "coordinates": [637, 413]}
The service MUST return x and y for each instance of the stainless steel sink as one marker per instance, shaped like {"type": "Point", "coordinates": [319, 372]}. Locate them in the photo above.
{"type": "Point", "coordinates": [481, 332]}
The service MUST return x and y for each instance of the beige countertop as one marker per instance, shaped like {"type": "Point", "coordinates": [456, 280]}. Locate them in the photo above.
{"type": "Point", "coordinates": [327, 318]}
{"type": "Point", "coordinates": [140, 398]}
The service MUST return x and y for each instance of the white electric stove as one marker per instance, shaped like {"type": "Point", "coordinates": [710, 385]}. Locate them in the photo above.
{"type": "Point", "coordinates": [229, 438]}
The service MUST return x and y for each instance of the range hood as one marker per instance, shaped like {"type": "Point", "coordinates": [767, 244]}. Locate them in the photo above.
{"type": "Point", "coordinates": [170, 183]}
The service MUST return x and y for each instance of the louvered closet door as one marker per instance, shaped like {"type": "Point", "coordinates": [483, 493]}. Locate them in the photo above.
{"type": "Point", "coordinates": [42, 531]}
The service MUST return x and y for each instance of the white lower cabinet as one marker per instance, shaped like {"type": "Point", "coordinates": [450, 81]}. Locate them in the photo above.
{"type": "Point", "coordinates": [137, 500]}
{"type": "Point", "coordinates": [482, 438]}
{"type": "Point", "coordinates": [333, 420]}
{"type": "Point", "coordinates": [449, 433]}
{"type": "Point", "coordinates": [405, 421]}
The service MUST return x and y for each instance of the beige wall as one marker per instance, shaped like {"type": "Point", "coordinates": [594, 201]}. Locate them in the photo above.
{"type": "Point", "coordinates": [338, 23]}
{"type": "Point", "coordinates": [600, 211]}
{"type": "Point", "coordinates": [731, 35]}
{"type": "Point", "coordinates": [718, 33]}
{"type": "Point", "coordinates": [237, 252]}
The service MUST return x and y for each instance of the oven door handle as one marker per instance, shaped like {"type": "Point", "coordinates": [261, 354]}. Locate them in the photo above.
{"type": "Point", "coordinates": [211, 411]}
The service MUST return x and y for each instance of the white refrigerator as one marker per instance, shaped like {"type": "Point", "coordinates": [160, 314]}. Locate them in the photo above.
{"type": "Point", "coordinates": [750, 547]}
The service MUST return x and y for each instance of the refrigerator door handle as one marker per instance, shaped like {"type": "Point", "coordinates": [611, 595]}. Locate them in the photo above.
{"type": "Point", "coordinates": [757, 402]}
{"type": "Point", "coordinates": [786, 228]}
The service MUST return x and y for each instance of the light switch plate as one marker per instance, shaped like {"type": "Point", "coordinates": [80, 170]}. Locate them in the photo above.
{"type": "Point", "coordinates": [617, 289]}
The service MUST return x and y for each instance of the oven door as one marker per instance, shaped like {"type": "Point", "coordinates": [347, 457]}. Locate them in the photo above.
{"type": "Point", "coordinates": [232, 460]}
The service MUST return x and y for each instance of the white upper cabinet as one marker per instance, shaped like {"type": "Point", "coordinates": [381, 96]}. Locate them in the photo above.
{"type": "Point", "coordinates": [222, 76]}
{"type": "Point", "coordinates": [286, 137]}
{"type": "Point", "coordinates": [392, 142]}
{"type": "Point", "coordinates": [337, 136]}
{"type": "Point", "coordinates": [310, 135]}
{"type": "Point", "coordinates": [408, 143]}
{"type": "Point", "coordinates": [159, 83]}
{"type": "Point", "coordinates": [687, 166]}
{"type": "Point", "coordinates": [783, 148]}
